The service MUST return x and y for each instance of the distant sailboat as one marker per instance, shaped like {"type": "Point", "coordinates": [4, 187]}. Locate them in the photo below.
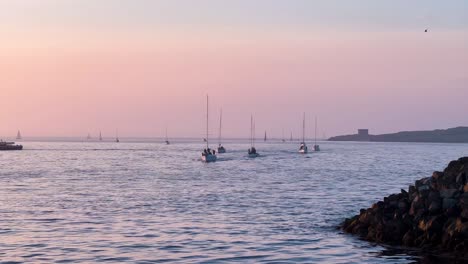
{"type": "Point", "coordinates": [117, 140]}
{"type": "Point", "coordinates": [18, 136]}
{"type": "Point", "coordinates": [221, 149]}
{"type": "Point", "coordinates": [291, 139]}
{"type": "Point", "coordinates": [252, 150]}
{"type": "Point", "coordinates": [303, 148]}
{"type": "Point", "coordinates": [282, 137]}
{"type": "Point", "coordinates": [316, 146]}
{"type": "Point", "coordinates": [167, 139]}
{"type": "Point", "coordinates": [265, 138]}
{"type": "Point", "coordinates": [100, 136]}
{"type": "Point", "coordinates": [208, 155]}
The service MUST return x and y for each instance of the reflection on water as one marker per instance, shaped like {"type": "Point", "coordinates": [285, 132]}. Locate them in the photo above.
{"type": "Point", "coordinates": [137, 202]}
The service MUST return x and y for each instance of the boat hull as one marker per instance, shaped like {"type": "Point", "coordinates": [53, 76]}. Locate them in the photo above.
{"type": "Point", "coordinates": [209, 158]}
{"type": "Point", "coordinates": [316, 148]}
{"type": "Point", "coordinates": [11, 147]}
{"type": "Point", "coordinates": [303, 151]}
{"type": "Point", "coordinates": [253, 155]}
{"type": "Point", "coordinates": [221, 150]}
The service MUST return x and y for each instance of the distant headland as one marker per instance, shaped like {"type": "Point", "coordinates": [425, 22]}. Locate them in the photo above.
{"type": "Point", "coordinates": [451, 135]}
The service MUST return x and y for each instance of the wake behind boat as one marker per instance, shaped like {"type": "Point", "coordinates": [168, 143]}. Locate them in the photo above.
{"type": "Point", "coordinates": [208, 155]}
{"type": "Point", "coordinates": [9, 146]}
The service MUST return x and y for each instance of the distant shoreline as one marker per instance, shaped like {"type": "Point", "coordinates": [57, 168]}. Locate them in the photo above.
{"type": "Point", "coordinates": [450, 135]}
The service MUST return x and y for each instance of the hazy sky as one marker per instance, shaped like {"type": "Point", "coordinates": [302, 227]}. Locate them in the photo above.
{"type": "Point", "coordinates": [69, 67]}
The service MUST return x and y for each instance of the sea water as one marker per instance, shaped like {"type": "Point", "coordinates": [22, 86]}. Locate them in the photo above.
{"type": "Point", "coordinates": [146, 202]}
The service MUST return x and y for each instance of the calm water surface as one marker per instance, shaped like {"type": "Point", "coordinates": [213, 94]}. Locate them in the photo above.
{"type": "Point", "coordinates": [148, 202]}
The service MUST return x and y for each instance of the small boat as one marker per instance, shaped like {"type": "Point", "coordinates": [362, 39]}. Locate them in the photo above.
{"type": "Point", "coordinates": [167, 139]}
{"type": "Point", "coordinates": [100, 136]}
{"type": "Point", "coordinates": [221, 148]}
{"type": "Point", "coordinates": [303, 148]}
{"type": "Point", "coordinates": [18, 136]}
{"type": "Point", "coordinates": [282, 137]}
{"type": "Point", "coordinates": [291, 138]}
{"type": "Point", "coordinates": [208, 155]}
{"type": "Point", "coordinates": [316, 146]}
{"type": "Point", "coordinates": [117, 140]}
{"type": "Point", "coordinates": [9, 146]}
{"type": "Point", "coordinates": [265, 138]}
{"type": "Point", "coordinates": [252, 152]}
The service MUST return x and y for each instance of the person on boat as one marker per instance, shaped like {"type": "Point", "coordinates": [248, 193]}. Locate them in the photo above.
{"type": "Point", "coordinates": [252, 151]}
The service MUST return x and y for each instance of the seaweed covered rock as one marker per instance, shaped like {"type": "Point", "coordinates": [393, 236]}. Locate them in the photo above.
{"type": "Point", "coordinates": [432, 214]}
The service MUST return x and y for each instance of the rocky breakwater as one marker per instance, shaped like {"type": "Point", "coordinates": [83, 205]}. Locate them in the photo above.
{"type": "Point", "coordinates": [432, 214]}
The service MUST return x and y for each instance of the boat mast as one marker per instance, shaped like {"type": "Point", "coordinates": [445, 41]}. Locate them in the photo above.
{"type": "Point", "coordinates": [220, 124]}
{"type": "Point", "coordinates": [315, 130]}
{"type": "Point", "coordinates": [251, 131]}
{"type": "Point", "coordinates": [303, 129]}
{"type": "Point", "coordinates": [206, 121]}
{"type": "Point", "coordinates": [253, 135]}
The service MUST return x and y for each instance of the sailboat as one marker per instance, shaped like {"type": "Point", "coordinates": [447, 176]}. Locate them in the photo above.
{"type": "Point", "coordinates": [18, 136]}
{"type": "Point", "coordinates": [291, 139]}
{"type": "Point", "coordinates": [265, 138]}
{"type": "Point", "coordinates": [303, 148]}
{"type": "Point", "coordinates": [282, 137]}
{"type": "Point", "coordinates": [316, 146]}
{"type": "Point", "coordinates": [221, 149]}
{"type": "Point", "coordinates": [117, 140]}
{"type": "Point", "coordinates": [207, 154]}
{"type": "Point", "coordinates": [100, 136]}
{"type": "Point", "coordinates": [167, 139]}
{"type": "Point", "coordinates": [252, 150]}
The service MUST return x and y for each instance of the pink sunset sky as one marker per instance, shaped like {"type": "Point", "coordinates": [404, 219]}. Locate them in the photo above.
{"type": "Point", "coordinates": [69, 68]}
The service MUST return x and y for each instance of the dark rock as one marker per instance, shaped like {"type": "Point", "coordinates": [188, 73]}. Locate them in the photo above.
{"type": "Point", "coordinates": [437, 175]}
{"type": "Point", "coordinates": [449, 193]}
{"type": "Point", "coordinates": [448, 203]}
{"type": "Point", "coordinates": [433, 214]}
{"type": "Point", "coordinates": [435, 207]}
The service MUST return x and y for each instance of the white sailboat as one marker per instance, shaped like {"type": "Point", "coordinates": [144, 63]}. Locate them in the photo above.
{"type": "Point", "coordinates": [221, 148]}
{"type": "Point", "coordinates": [316, 146]}
{"type": "Point", "coordinates": [252, 150]}
{"type": "Point", "coordinates": [208, 155]}
{"type": "Point", "coordinates": [18, 136]}
{"type": "Point", "coordinates": [167, 139]}
{"type": "Point", "coordinates": [303, 148]}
